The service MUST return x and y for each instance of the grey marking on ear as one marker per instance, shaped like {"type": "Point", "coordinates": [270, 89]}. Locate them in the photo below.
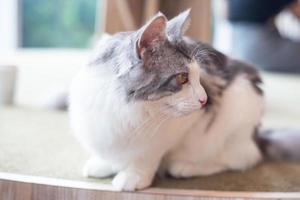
{"type": "Point", "coordinates": [177, 26]}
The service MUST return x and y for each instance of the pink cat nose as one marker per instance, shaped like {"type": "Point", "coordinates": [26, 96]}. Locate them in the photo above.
{"type": "Point", "coordinates": [203, 101]}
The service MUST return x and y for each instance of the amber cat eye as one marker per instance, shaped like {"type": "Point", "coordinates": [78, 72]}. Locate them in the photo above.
{"type": "Point", "coordinates": [182, 78]}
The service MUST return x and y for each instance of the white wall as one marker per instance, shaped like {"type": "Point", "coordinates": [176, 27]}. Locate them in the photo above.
{"type": "Point", "coordinates": [8, 25]}
{"type": "Point", "coordinates": [41, 72]}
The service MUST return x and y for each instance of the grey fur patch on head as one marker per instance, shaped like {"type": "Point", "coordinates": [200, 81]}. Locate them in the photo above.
{"type": "Point", "coordinates": [152, 79]}
{"type": "Point", "coordinates": [159, 62]}
{"type": "Point", "coordinates": [145, 61]}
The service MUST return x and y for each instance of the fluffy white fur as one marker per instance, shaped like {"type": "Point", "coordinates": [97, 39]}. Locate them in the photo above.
{"type": "Point", "coordinates": [132, 140]}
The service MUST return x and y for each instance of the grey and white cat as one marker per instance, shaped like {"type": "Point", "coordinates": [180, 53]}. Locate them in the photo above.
{"type": "Point", "coordinates": [155, 99]}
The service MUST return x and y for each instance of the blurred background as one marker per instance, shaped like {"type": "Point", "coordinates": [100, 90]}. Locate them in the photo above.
{"type": "Point", "coordinates": [43, 43]}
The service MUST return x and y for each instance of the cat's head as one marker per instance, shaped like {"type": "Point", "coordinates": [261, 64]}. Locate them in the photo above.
{"type": "Point", "coordinates": [162, 72]}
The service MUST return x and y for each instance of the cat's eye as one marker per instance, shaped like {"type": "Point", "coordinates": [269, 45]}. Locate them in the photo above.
{"type": "Point", "coordinates": [182, 78]}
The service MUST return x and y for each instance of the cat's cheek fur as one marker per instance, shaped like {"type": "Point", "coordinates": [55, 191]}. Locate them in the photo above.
{"type": "Point", "coordinates": [188, 99]}
{"type": "Point", "coordinates": [194, 79]}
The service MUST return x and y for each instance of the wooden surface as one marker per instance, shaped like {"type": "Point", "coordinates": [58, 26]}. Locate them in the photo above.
{"type": "Point", "coordinates": [15, 190]}
{"type": "Point", "coordinates": [128, 15]}
{"type": "Point", "coordinates": [201, 15]}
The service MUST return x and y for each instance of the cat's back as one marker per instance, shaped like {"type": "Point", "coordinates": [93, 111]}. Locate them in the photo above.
{"type": "Point", "coordinates": [95, 92]}
{"type": "Point", "coordinates": [98, 75]}
{"type": "Point", "coordinates": [109, 48]}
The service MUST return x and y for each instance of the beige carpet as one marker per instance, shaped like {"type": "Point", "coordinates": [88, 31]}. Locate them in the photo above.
{"type": "Point", "coordinates": [37, 142]}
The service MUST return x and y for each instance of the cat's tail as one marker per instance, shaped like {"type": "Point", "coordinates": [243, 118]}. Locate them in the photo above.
{"type": "Point", "coordinates": [281, 144]}
{"type": "Point", "coordinates": [56, 100]}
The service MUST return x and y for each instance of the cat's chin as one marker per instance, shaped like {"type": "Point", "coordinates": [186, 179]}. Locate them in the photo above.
{"type": "Point", "coordinates": [174, 112]}
{"type": "Point", "coordinates": [181, 114]}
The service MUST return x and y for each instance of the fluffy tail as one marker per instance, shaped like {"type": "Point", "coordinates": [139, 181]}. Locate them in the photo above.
{"type": "Point", "coordinates": [279, 144]}
{"type": "Point", "coordinates": [56, 100]}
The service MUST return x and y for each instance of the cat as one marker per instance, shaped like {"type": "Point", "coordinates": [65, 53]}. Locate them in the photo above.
{"type": "Point", "coordinates": [156, 100]}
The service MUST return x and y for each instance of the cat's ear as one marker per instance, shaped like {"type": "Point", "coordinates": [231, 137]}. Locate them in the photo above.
{"type": "Point", "coordinates": [177, 26]}
{"type": "Point", "coordinates": [152, 34]}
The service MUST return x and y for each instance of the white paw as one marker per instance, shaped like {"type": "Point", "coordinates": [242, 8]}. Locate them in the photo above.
{"type": "Point", "coordinates": [130, 180]}
{"type": "Point", "coordinates": [182, 169]}
{"type": "Point", "coordinates": [95, 168]}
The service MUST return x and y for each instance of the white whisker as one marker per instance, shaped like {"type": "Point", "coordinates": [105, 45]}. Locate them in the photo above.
{"type": "Point", "coordinates": [162, 121]}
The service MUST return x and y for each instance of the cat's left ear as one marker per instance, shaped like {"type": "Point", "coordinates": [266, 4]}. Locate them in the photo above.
{"type": "Point", "coordinates": [152, 34]}
{"type": "Point", "coordinates": [177, 26]}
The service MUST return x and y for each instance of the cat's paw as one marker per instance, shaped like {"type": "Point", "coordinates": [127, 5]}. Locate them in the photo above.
{"type": "Point", "coordinates": [183, 169]}
{"type": "Point", "coordinates": [97, 169]}
{"type": "Point", "coordinates": [130, 180]}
